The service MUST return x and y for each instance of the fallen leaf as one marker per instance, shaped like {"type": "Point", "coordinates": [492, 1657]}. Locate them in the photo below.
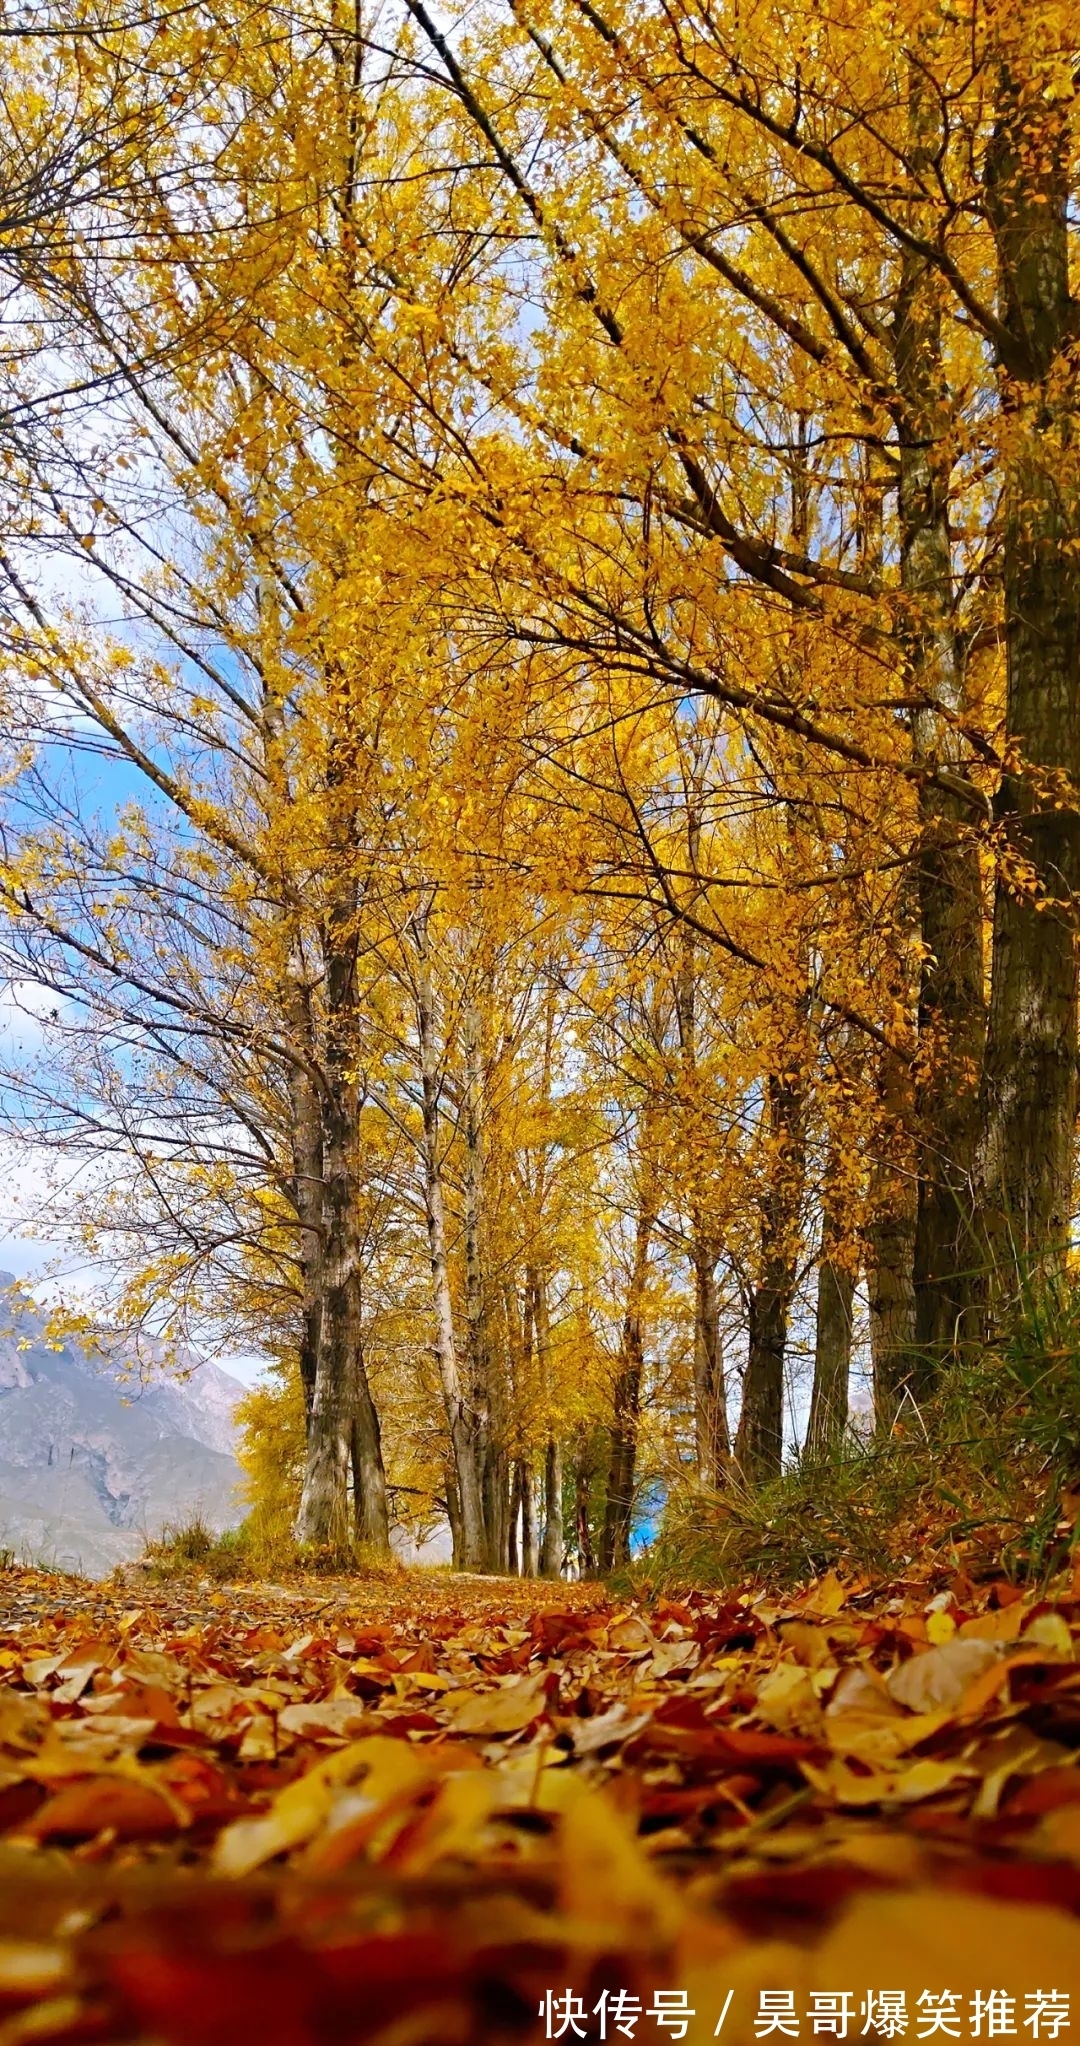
{"type": "Point", "coordinates": [921, 1779]}
{"type": "Point", "coordinates": [96, 1804]}
{"type": "Point", "coordinates": [940, 1676]}
{"type": "Point", "coordinates": [507, 1710]}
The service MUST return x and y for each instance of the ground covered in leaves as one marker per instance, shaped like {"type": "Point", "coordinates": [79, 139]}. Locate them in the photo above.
{"type": "Point", "coordinates": [428, 1810]}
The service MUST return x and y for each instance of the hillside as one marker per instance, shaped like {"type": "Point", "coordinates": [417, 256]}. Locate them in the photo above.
{"type": "Point", "coordinates": [93, 1460]}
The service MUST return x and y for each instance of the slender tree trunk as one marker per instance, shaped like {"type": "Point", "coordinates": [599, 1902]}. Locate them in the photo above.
{"type": "Point", "coordinates": [519, 1348]}
{"type": "Point", "coordinates": [469, 1548]}
{"type": "Point", "coordinates": [343, 1432]}
{"type": "Point", "coordinates": [512, 1554]}
{"type": "Point", "coordinates": [622, 1470]}
{"type": "Point", "coordinates": [303, 1074]}
{"type": "Point", "coordinates": [1029, 1100]}
{"type": "Point", "coordinates": [711, 1436]}
{"type": "Point", "coordinates": [453, 1513]}
{"type": "Point", "coordinates": [759, 1443]}
{"type": "Point", "coordinates": [370, 1505]}
{"type": "Point", "coordinates": [890, 1263]}
{"type": "Point", "coordinates": [553, 1545]}
{"type": "Point", "coordinates": [712, 1440]}
{"type": "Point", "coordinates": [832, 1349]}
{"type": "Point", "coordinates": [530, 1551]}
{"type": "Point", "coordinates": [487, 1394]}
{"type": "Point", "coordinates": [951, 1009]}
{"type": "Point", "coordinates": [343, 1427]}
{"type": "Point", "coordinates": [584, 1472]}
{"type": "Point", "coordinates": [307, 1173]}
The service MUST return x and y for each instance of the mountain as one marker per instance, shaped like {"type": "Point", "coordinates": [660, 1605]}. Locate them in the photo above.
{"type": "Point", "coordinates": [93, 1461]}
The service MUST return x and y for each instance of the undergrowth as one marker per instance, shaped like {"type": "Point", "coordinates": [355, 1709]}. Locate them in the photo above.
{"type": "Point", "coordinates": [249, 1553]}
{"type": "Point", "coordinates": [984, 1476]}
{"type": "Point", "coordinates": [188, 1547]}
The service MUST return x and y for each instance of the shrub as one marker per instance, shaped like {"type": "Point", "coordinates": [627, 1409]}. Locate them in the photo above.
{"type": "Point", "coordinates": [986, 1476]}
{"type": "Point", "coordinates": [184, 1547]}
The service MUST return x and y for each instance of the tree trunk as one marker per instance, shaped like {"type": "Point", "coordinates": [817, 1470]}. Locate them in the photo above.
{"type": "Point", "coordinates": [530, 1550]}
{"type": "Point", "coordinates": [759, 1443]}
{"type": "Point", "coordinates": [453, 1513]}
{"type": "Point", "coordinates": [553, 1545]}
{"type": "Point", "coordinates": [951, 1009]}
{"type": "Point", "coordinates": [487, 1389]}
{"type": "Point", "coordinates": [469, 1547]}
{"type": "Point", "coordinates": [519, 1349]}
{"type": "Point", "coordinates": [890, 1256]}
{"type": "Point", "coordinates": [622, 1470]}
{"type": "Point", "coordinates": [512, 1553]}
{"type": "Point", "coordinates": [832, 1351]}
{"type": "Point", "coordinates": [307, 1176]}
{"type": "Point", "coordinates": [369, 1474]}
{"type": "Point", "coordinates": [711, 1436]}
{"type": "Point", "coordinates": [303, 1074]}
{"type": "Point", "coordinates": [1029, 1101]}
{"type": "Point", "coordinates": [583, 1476]}
{"type": "Point", "coordinates": [344, 1429]}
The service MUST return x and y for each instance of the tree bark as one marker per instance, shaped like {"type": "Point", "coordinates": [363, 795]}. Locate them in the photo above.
{"type": "Point", "coordinates": [487, 1397]}
{"type": "Point", "coordinates": [343, 1431]}
{"type": "Point", "coordinates": [512, 1553]}
{"type": "Point", "coordinates": [553, 1545]}
{"type": "Point", "coordinates": [711, 1436]}
{"type": "Point", "coordinates": [951, 1008]}
{"type": "Point", "coordinates": [303, 1072]}
{"type": "Point", "coordinates": [530, 1549]}
{"type": "Point", "coordinates": [890, 1265]}
{"type": "Point", "coordinates": [307, 1174]}
{"type": "Point", "coordinates": [1029, 1099]}
{"type": "Point", "coordinates": [622, 1469]}
{"type": "Point", "coordinates": [368, 1472]}
{"type": "Point", "coordinates": [832, 1350]}
{"type": "Point", "coordinates": [519, 1345]}
{"type": "Point", "coordinates": [584, 1472]}
{"type": "Point", "coordinates": [759, 1443]}
{"type": "Point", "coordinates": [469, 1546]}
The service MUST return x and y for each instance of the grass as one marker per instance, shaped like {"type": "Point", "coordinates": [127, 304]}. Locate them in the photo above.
{"type": "Point", "coordinates": [246, 1554]}
{"type": "Point", "coordinates": [985, 1477]}
{"type": "Point", "coordinates": [193, 1548]}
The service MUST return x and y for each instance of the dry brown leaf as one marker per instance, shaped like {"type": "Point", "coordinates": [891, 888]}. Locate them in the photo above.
{"type": "Point", "coordinates": [508, 1710]}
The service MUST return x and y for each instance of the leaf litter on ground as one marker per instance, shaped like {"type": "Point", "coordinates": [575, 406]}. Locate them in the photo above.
{"type": "Point", "coordinates": [404, 1809]}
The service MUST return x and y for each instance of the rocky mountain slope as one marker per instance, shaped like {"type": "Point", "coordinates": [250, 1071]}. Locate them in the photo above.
{"type": "Point", "coordinates": [92, 1461]}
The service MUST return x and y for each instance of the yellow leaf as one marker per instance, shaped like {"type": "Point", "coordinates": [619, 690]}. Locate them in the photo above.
{"type": "Point", "coordinates": [924, 1778]}
{"type": "Point", "coordinates": [508, 1710]}
{"type": "Point", "coordinates": [786, 1699]}
{"type": "Point", "coordinates": [299, 1810]}
{"type": "Point", "coordinates": [827, 1597]}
